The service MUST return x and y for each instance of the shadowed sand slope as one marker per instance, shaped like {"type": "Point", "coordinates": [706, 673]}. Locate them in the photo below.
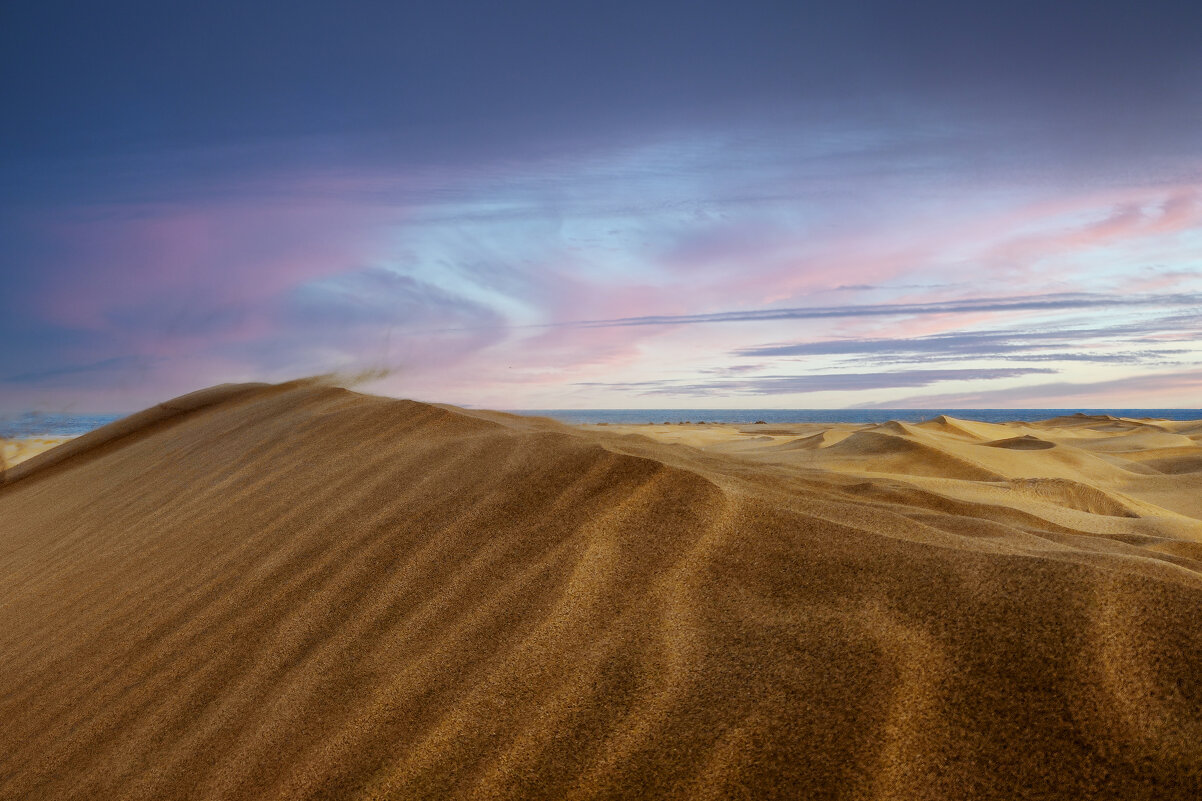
{"type": "Point", "coordinates": [296, 591]}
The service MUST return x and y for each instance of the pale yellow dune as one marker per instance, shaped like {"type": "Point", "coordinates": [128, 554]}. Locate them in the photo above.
{"type": "Point", "coordinates": [15, 451]}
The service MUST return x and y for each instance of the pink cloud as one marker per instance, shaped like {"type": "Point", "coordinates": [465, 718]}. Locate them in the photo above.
{"type": "Point", "coordinates": [1129, 220]}
{"type": "Point", "coordinates": [224, 253]}
{"type": "Point", "coordinates": [1146, 390]}
{"type": "Point", "coordinates": [245, 285]}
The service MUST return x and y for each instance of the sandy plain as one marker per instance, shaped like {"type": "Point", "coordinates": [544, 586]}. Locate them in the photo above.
{"type": "Point", "coordinates": [297, 591]}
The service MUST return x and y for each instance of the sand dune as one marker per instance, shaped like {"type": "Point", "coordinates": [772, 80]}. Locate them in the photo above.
{"type": "Point", "coordinates": [1179, 460]}
{"type": "Point", "coordinates": [823, 439]}
{"type": "Point", "coordinates": [296, 591]}
{"type": "Point", "coordinates": [1025, 442]}
{"type": "Point", "coordinates": [1074, 495]}
{"type": "Point", "coordinates": [889, 453]}
{"type": "Point", "coordinates": [950, 425]}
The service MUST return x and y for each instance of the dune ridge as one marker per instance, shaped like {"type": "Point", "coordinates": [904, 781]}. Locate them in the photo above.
{"type": "Point", "coordinates": [161, 414]}
{"type": "Point", "coordinates": [297, 591]}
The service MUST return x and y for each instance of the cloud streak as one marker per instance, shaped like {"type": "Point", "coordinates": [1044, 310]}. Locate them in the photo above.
{"type": "Point", "coordinates": [1061, 343]}
{"type": "Point", "coordinates": [1044, 303]}
{"type": "Point", "coordinates": [1179, 389]}
{"type": "Point", "coordinates": [810, 383]}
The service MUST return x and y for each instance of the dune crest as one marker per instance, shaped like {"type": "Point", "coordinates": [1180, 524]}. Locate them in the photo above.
{"type": "Point", "coordinates": [1025, 442]}
{"type": "Point", "coordinates": [297, 591]}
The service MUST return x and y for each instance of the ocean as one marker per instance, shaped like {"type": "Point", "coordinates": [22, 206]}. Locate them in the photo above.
{"type": "Point", "coordinates": [52, 425]}
{"type": "Point", "coordinates": [72, 425]}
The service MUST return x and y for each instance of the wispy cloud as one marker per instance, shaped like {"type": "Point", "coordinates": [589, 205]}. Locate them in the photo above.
{"type": "Point", "coordinates": [581, 274]}
{"type": "Point", "coordinates": [107, 367]}
{"type": "Point", "coordinates": [817, 382]}
{"type": "Point", "coordinates": [1053, 302]}
{"type": "Point", "coordinates": [1180, 389]}
{"type": "Point", "coordinates": [1062, 342]}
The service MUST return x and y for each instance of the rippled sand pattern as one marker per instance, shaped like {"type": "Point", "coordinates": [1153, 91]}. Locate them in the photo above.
{"type": "Point", "coordinates": [296, 591]}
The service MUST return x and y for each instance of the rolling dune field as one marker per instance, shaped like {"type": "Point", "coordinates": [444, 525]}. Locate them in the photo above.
{"type": "Point", "coordinates": [297, 591]}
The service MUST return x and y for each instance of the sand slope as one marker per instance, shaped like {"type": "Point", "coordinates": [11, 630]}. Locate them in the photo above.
{"type": "Point", "coordinates": [300, 592]}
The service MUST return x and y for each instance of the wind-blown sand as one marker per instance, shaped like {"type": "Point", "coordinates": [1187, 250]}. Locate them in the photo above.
{"type": "Point", "coordinates": [296, 591]}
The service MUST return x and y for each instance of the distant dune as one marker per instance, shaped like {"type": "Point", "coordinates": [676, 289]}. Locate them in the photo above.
{"type": "Point", "coordinates": [296, 591]}
{"type": "Point", "coordinates": [15, 451]}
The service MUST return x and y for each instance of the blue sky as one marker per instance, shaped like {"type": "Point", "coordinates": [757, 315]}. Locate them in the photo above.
{"type": "Point", "coordinates": [548, 205]}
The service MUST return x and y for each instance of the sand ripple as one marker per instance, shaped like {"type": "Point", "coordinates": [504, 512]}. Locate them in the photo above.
{"type": "Point", "coordinates": [300, 592]}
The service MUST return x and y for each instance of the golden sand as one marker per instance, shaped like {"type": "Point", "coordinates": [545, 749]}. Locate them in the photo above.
{"type": "Point", "coordinates": [296, 591]}
{"type": "Point", "coordinates": [14, 451]}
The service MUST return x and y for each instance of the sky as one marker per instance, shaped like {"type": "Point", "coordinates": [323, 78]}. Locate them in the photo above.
{"type": "Point", "coordinates": [540, 205]}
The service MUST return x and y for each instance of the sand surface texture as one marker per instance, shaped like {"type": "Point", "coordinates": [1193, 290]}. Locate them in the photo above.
{"type": "Point", "coordinates": [297, 591]}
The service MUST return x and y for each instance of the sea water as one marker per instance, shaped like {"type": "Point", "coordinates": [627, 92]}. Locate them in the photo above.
{"type": "Point", "coordinates": [52, 425]}
{"type": "Point", "coordinates": [72, 425]}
